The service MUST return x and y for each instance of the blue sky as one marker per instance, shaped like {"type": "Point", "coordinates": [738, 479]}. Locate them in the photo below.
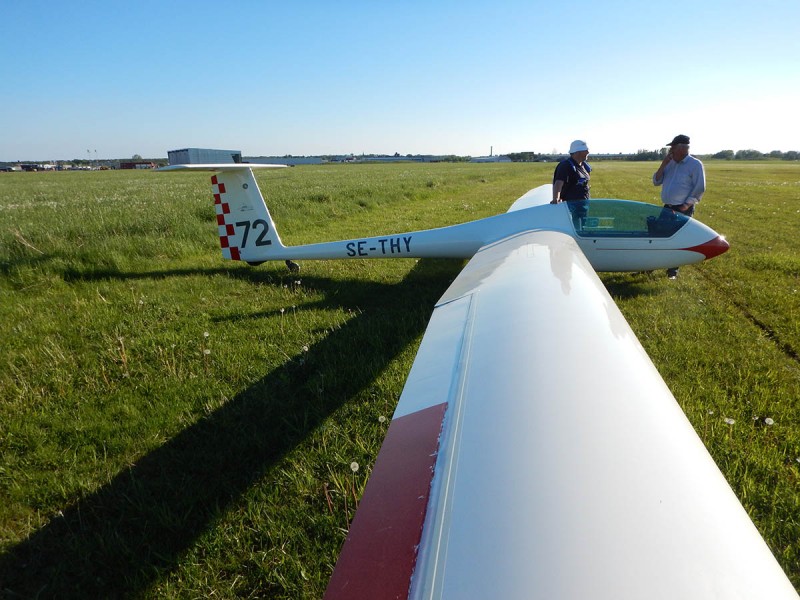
{"type": "Point", "coordinates": [449, 77]}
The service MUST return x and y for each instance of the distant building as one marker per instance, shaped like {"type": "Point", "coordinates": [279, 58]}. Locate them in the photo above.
{"type": "Point", "coordinates": [284, 160]}
{"type": "Point", "coordinates": [492, 159]}
{"type": "Point", "coordinates": [204, 156]}
{"type": "Point", "coordinates": [398, 158]}
{"type": "Point", "coordinates": [37, 167]}
{"type": "Point", "coordinates": [137, 164]}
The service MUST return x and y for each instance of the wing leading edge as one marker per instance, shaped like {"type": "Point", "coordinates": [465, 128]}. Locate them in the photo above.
{"type": "Point", "coordinates": [536, 453]}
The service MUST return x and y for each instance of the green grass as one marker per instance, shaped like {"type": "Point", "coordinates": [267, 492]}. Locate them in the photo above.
{"type": "Point", "coordinates": [173, 425]}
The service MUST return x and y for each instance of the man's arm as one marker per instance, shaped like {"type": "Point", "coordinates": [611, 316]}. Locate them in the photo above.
{"type": "Point", "coordinates": [658, 176]}
{"type": "Point", "coordinates": [699, 188]}
{"type": "Point", "coordinates": [558, 185]}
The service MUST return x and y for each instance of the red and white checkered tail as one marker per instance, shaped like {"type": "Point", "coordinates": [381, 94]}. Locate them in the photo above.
{"type": "Point", "coordinates": [246, 229]}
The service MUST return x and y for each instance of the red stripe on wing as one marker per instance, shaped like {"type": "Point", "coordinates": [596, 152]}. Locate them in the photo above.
{"type": "Point", "coordinates": [380, 552]}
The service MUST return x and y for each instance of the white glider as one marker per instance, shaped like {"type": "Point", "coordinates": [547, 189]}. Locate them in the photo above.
{"type": "Point", "coordinates": [535, 452]}
{"type": "Point", "coordinates": [616, 235]}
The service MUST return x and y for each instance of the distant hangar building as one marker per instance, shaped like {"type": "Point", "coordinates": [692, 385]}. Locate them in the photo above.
{"type": "Point", "coordinates": [204, 156]}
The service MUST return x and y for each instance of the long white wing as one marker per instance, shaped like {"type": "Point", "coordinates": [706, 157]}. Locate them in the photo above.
{"type": "Point", "coordinates": [535, 197]}
{"type": "Point", "coordinates": [537, 453]}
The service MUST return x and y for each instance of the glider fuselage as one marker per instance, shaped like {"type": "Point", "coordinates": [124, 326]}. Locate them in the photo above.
{"type": "Point", "coordinates": [615, 235]}
{"type": "Point", "coordinates": [608, 249]}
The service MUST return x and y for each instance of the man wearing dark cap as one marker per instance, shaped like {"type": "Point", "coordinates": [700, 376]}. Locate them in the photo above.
{"type": "Point", "coordinates": [682, 179]}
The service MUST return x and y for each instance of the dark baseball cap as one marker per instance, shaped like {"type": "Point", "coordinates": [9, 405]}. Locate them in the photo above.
{"type": "Point", "coordinates": [679, 139]}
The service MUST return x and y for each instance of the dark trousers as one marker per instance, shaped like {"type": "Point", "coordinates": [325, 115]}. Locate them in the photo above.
{"type": "Point", "coordinates": [673, 272]}
{"type": "Point", "coordinates": [688, 212]}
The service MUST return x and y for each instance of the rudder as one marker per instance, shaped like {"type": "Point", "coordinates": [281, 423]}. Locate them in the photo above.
{"type": "Point", "coordinates": [246, 229]}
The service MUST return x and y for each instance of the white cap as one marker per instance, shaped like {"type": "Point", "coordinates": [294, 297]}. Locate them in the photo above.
{"type": "Point", "coordinates": [578, 146]}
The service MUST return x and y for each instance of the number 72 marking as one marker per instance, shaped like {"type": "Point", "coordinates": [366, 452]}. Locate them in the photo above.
{"type": "Point", "coordinates": [259, 223]}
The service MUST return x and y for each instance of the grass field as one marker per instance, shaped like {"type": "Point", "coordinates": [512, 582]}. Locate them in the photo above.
{"type": "Point", "coordinates": [173, 425]}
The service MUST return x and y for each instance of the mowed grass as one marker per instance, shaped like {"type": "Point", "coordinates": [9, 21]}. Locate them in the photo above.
{"type": "Point", "coordinates": [174, 425]}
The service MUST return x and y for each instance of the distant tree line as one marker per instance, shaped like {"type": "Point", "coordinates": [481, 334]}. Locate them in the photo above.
{"type": "Point", "coordinates": [756, 155]}
{"type": "Point", "coordinates": [723, 155]}
{"type": "Point", "coordinates": [648, 155]}
{"type": "Point", "coordinates": [651, 155]}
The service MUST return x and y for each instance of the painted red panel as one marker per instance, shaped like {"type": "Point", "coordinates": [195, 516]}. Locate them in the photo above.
{"type": "Point", "coordinates": [713, 248]}
{"type": "Point", "coordinates": [380, 552]}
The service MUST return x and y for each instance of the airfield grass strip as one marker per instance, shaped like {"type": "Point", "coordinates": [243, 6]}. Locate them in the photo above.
{"type": "Point", "coordinates": [173, 425]}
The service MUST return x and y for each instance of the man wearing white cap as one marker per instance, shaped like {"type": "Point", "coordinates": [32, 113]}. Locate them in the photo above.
{"type": "Point", "coordinates": [571, 181]}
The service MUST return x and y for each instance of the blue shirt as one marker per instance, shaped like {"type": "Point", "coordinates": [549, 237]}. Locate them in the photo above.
{"type": "Point", "coordinates": [683, 182]}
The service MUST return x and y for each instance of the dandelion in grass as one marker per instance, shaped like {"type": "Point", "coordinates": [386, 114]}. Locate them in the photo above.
{"type": "Point", "coordinates": [354, 469]}
{"type": "Point", "coordinates": [730, 421]}
{"type": "Point", "coordinates": [305, 348]}
{"type": "Point", "coordinates": [206, 354]}
{"type": "Point", "coordinates": [381, 419]}
{"type": "Point", "coordinates": [205, 350]}
{"type": "Point", "coordinates": [769, 421]}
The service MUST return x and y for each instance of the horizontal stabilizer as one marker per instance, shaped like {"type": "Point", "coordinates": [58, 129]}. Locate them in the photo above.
{"type": "Point", "coordinates": [220, 167]}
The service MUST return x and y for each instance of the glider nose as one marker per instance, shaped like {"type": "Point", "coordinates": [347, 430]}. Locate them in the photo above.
{"type": "Point", "coordinates": [719, 245]}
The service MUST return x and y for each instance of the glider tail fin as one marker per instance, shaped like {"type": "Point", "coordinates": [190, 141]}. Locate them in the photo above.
{"type": "Point", "coordinates": [246, 229]}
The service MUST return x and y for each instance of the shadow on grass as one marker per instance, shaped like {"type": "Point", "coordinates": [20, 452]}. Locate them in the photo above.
{"type": "Point", "coordinates": [623, 286]}
{"type": "Point", "coordinates": [123, 538]}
